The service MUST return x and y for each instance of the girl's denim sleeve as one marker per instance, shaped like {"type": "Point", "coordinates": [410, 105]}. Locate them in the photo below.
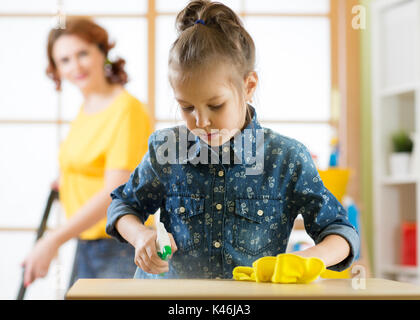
{"type": "Point", "coordinates": [323, 214]}
{"type": "Point", "coordinates": [140, 196]}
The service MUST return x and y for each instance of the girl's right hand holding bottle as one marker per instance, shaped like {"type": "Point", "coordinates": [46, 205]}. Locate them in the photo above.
{"type": "Point", "coordinates": [146, 257]}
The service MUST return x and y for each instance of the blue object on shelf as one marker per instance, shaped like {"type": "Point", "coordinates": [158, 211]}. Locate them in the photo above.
{"type": "Point", "coordinates": [335, 152]}
{"type": "Point", "coordinates": [333, 160]}
{"type": "Point", "coordinates": [353, 215]}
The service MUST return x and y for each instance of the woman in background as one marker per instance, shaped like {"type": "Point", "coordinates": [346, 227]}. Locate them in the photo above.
{"type": "Point", "coordinates": [105, 143]}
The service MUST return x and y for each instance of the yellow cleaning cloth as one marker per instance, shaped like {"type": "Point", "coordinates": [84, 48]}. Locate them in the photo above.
{"type": "Point", "coordinates": [284, 268]}
{"type": "Point", "coordinates": [244, 273]}
{"type": "Point", "coordinates": [329, 274]}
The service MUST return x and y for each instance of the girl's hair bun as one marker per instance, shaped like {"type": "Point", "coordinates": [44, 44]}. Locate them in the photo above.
{"type": "Point", "coordinates": [190, 14]}
{"type": "Point", "coordinates": [208, 30]}
{"type": "Point", "coordinates": [214, 14]}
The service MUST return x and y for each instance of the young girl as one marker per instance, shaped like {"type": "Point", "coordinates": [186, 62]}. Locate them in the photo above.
{"type": "Point", "coordinates": [220, 214]}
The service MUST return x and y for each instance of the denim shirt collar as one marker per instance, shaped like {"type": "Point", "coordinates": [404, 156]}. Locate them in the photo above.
{"type": "Point", "coordinates": [238, 155]}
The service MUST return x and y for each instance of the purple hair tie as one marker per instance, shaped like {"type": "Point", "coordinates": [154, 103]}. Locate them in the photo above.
{"type": "Point", "coordinates": [200, 21]}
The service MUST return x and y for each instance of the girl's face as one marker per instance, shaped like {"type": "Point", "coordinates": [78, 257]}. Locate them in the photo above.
{"type": "Point", "coordinates": [212, 107]}
{"type": "Point", "coordinates": [79, 62]}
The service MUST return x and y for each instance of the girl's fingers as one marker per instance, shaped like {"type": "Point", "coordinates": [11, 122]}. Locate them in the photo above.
{"type": "Point", "coordinates": [146, 257]}
{"type": "Point", "coordinates": [173, 244]}
{"type": "Point", "coordinates": [149, 268]}
{"type": "Point", "coordinates": [148, 265]}
{"type": "Point", "coordinates": [155, 263]}
{"type": "Point", "coordinates": [143, 262]}
{"type": "Point", "coordinates": [142, 266]}
{"type": "Point", "coordinates": [154, 258]}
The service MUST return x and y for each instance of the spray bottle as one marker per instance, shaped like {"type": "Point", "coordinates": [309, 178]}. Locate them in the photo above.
{"type": "Point", "coordinates": [163, 243]}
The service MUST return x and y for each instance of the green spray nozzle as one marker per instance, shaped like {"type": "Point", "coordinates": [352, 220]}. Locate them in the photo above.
{"type": "Point", "coordinates": [165, 253]}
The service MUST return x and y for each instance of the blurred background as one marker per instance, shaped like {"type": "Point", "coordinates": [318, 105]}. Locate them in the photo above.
{"type": "Point", "coordinates": [326, 67]}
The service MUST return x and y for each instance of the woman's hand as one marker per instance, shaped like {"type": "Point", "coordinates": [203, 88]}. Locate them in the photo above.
{"type": "Point", "coordinates": [146, 256]}
{"type": "Point", "coordinates": [38, 261]}
{"type": "Point", "coordinates": [55, 184]}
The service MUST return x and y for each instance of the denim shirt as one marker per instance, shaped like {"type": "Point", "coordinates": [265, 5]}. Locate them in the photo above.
{"type": "Point", "coordinates": [229, 211]}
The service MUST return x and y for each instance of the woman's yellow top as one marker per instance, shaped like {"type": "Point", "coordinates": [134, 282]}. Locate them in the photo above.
{"type": "Point", "coordinates": [114, 138]}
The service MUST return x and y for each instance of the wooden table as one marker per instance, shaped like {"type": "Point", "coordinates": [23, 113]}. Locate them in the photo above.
{"type": "Point", "coordinates": [193, 289]}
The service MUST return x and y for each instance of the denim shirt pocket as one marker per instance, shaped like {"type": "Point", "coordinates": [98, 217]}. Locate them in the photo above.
{"type": "Point", "coordinates": [186, 220]}
{"type": "Point", "coordinates": [257, 224]}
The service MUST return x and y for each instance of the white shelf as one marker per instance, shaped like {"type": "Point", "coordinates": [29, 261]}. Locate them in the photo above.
{"type": "Point", "coordinates": [395, 26]}
{"type": "Point", "coordinates": [403, 89]}
{"type": "Point", "coordinates": [398, 180]}
{"type": "Point", "coordinates": [401, 269]}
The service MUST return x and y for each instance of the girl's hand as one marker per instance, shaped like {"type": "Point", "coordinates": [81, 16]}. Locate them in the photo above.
{"type": "Point", "coordinates": [146, 257]}
{"type": "Point", "coordinates": [38, 261]}
{"type": "Point", "coordinates": [173, 244]}
{"type": "Point", "coordinates": [331, 250]}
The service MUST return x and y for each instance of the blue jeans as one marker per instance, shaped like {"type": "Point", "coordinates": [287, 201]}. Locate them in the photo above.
{"type": "Point", "coordinates": [103, 258]}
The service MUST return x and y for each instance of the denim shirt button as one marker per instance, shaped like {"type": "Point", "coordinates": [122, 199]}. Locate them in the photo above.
{"type": "Point", "coordinates": [221, 173]}
{"type": "Point", "coordinates": [219, 206]}
{"type": "Point", "coordinates": [217, 244]}
{"type": "Point", "coordinates": [182, 209]}
{"type": "Point", "coordinates": [260, 212]}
